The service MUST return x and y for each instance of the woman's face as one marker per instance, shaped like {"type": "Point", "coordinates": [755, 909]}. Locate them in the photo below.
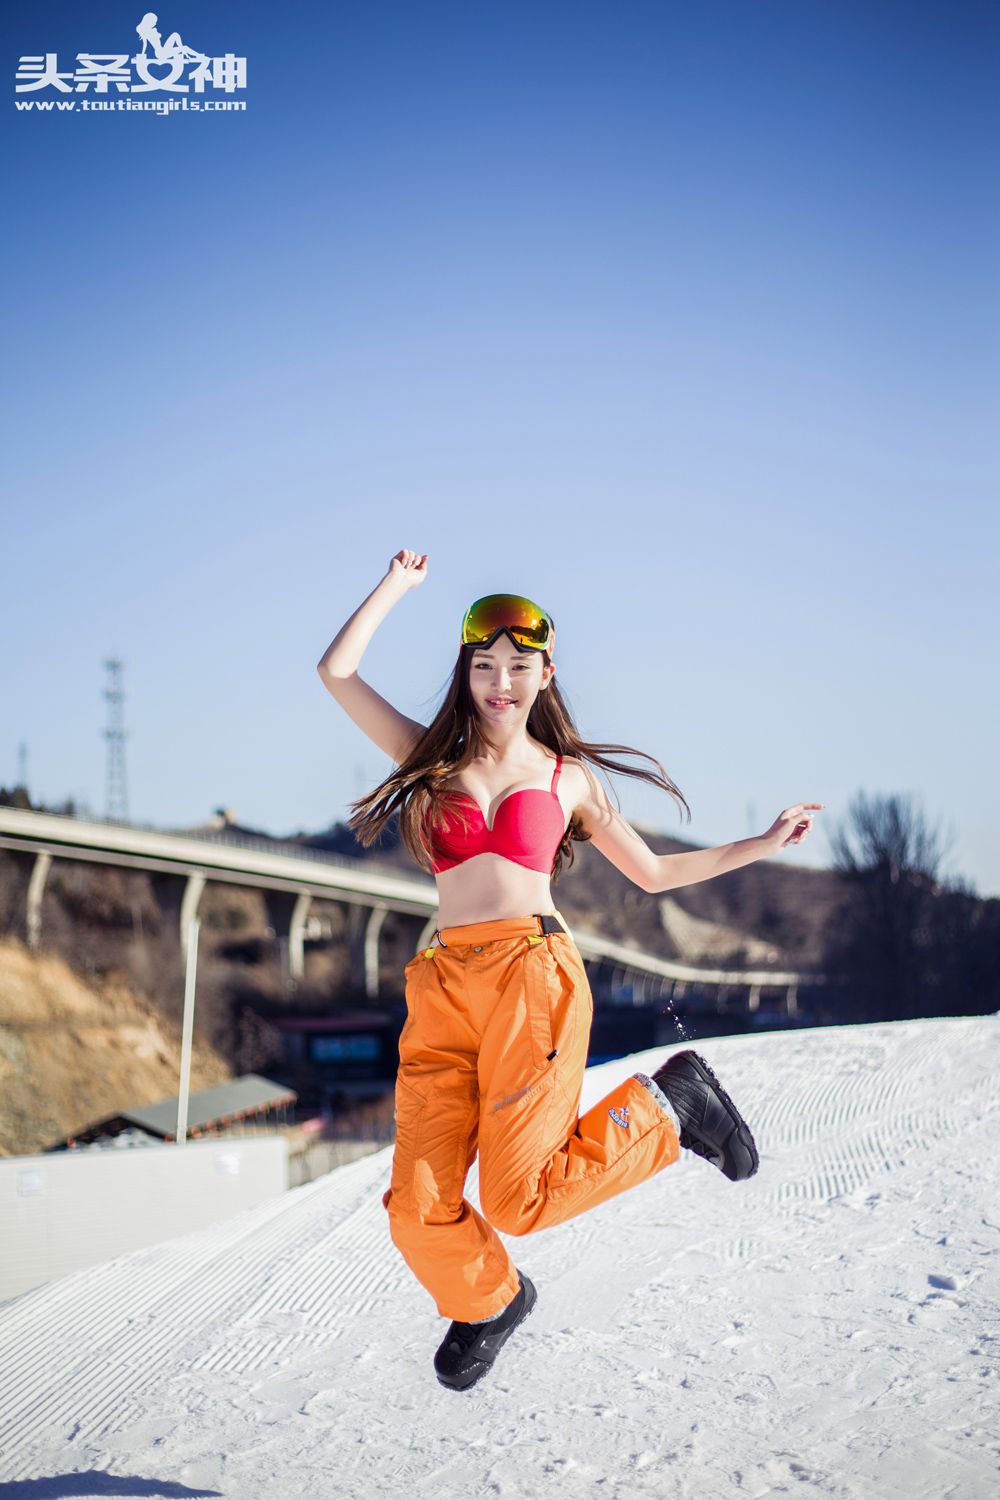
{"type": "Point", "coordinates": [505, 682]}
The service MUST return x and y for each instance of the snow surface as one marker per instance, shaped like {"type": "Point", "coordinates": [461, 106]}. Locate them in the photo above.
{"type": "Point", "coordinates": [829, 1328]}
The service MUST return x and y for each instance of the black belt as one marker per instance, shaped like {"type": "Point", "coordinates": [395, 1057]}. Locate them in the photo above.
{"type": "Point", "coordinates": [549, 924]}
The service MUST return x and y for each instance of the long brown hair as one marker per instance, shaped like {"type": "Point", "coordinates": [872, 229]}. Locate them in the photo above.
{"type": "Point", "coordinates": [452, 740]}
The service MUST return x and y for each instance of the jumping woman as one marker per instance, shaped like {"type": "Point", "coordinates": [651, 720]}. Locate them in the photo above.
{"type": "Point", "coordinates": [490, 798]}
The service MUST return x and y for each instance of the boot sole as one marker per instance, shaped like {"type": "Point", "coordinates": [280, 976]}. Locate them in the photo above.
{"type": "Point", "coordinates": [742, 1128]}
{"type": "Point", "coordinates": [483, 1367]}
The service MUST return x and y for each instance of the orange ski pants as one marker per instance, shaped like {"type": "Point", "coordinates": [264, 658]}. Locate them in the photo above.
{"type": "Point", "coordinates": [491, 1059]}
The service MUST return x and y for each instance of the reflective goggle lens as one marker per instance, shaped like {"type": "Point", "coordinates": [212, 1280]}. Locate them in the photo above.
{"type": "Point", "coordinates": [527, 622]}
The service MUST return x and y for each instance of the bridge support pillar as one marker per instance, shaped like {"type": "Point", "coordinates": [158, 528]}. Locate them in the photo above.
{"type": "Point", "coordinates": [286, 917]}
{"type": "Point", "coordinates": [193, 887]}
{"type": "Point", "coordinates": [364, 924]}
{"type": "Point", "coordinates": [372, 929]}
{"type": "Point", "coordinates": [296, 935]}
{"type": "Point", "coordinates": [427, 932]}
{"type": "Point", "coordinates": [36, 886]}
{"type": "Point", "coordinates": [178, 897]}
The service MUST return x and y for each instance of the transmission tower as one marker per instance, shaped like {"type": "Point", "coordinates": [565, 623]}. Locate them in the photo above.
{"type": "Point", "coordinates": [22, 765]}
{"type": "Point", "coordinates": [116, 797]}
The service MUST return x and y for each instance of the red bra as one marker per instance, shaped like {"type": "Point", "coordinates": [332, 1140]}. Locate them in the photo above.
{"type": "Point", "coordinates": [528, 829]}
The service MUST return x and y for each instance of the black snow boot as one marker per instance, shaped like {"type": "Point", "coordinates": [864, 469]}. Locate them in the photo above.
{"type": "Point", "coordinates": [711, 1125]}
{"type": "Point", "coordinates": [469, 1349]}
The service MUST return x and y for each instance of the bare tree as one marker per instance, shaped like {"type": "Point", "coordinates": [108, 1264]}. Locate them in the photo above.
{"type": "Point", "coordinates": [892, 858]}
{"type": "Point", "coordinates": [890, 835]}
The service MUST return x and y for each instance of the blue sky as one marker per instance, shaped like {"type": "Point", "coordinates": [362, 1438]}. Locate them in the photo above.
{"type": "Point", "coordinates": [680, 318]}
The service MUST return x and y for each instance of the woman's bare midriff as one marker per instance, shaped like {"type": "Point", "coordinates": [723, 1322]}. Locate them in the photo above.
{"type": "Point", "coordinates": [487, 888]}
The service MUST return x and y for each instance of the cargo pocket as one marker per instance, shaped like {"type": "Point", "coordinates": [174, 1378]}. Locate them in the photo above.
{"type": "Point", "coordinates": [569, 994]}
{"type": "Point", "coordinates": [541, 982]}
{"type": "Point", "coordinates": [417, 973]}
{"type": "Point", "coordinates": [411, 1105]}
{"type": "Point", "coordinates": [422, 956]}
{"type": "Point", "coordinates": [434, 1123]}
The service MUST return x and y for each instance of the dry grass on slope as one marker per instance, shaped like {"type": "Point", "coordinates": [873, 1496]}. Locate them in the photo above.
{"type": "Point", "coordinates": [74, 1050]}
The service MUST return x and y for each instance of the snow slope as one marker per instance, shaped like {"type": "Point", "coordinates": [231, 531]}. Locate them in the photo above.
{"type": "Point", "coordinates": [829, 1328]}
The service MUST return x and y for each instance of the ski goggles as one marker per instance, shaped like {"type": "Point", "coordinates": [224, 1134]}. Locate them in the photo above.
{"type": "Point", "coordinates": [526, 623]}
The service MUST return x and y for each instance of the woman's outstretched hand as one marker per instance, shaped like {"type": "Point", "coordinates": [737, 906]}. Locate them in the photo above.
{"type": "Point", "coordinates": [408, 568]}
{"type": "Point", "coordinates": [792, 825]}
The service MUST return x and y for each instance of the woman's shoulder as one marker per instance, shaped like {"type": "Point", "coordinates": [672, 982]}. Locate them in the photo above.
{"type": "Point", "coordinates": [570, 762]}
{"type": "Point", "coordinates": [573, 777]}
{"type": "Point", "coordinates": [578, 778]}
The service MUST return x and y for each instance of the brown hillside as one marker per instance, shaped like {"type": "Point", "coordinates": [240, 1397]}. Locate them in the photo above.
{"type": "Point", "coordinates": [73, 1050]}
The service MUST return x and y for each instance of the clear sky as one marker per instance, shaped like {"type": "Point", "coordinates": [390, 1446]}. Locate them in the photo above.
{"type": "Point", "coordinates": [682, 319]}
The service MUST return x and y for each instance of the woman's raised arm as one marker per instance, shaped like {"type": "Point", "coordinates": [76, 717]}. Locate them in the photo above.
{"type": "Point", "coordinates": [618, 841]}
{"type": "Point", "coordinates": [391, 731]}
